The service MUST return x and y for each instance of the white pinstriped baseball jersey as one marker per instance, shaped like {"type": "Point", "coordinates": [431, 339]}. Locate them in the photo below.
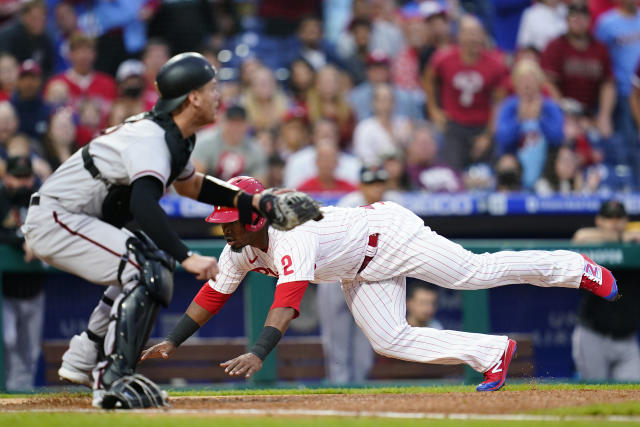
{"type": "Point", "coordinates": [326, 251]}
{"type": "Point", "coordinates": [122, 155]}
{"type": "Point", "coordinates": [336, 247]}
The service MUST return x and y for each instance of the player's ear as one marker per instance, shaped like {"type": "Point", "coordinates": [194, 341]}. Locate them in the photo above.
{"type": "Point", "coordinates": [195, 98]}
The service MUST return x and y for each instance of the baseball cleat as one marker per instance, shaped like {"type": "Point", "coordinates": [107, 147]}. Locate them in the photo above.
{"type": "Point", "coordinates": [73, 375]}
{"type": "Point", "coordinates": [495, 377]}
{"type": "Point", "coordinates": [598, 280]}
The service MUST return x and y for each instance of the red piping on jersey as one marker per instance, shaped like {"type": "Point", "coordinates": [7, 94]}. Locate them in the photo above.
{"type": "Point", "coordinates": [289, 295]}
{"type": "Point", "coordinates": [88, 239]}
{"type": "Point", "coordinates": [210, 299]}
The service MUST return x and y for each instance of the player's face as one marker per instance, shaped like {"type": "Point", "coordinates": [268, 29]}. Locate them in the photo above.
{"type": "Point", "coordinates": [209, 99]}
{"type": "Point", "coordinates": [235, 235]}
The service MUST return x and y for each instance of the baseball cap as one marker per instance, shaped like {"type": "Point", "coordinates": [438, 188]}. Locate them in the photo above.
{"type": "Point", "coordinates": [30, 67]}
{"type": "Point", "coordinates": [612, 209]}
{"type": "Point", "coordinates": [370, 175]}
{"type": "Point", "coordinates": [130, 68]}
{"type": "Point", "coordinates": [296, 113]}
{"type": "Point", "coordinates": [429, 9]}
{"type": "Point", "coordinates": [19, 166]}
{"type": "Point", "coordinates": [378, 57]}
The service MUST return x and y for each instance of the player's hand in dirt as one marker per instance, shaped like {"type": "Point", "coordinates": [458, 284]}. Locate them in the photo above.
{"type": "Point", "coordinates": [204, 267]}
{"type": "Point", "coordinates": [247, 364]}
{"type": "Point", "coordinates": [163, 349]}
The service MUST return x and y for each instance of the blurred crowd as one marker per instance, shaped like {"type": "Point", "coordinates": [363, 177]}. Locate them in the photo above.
{"type": "Point", "coordinates": [445, 95]}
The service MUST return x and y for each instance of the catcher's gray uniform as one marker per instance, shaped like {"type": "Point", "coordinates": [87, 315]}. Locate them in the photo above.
{"type": "Point", "coordinates": [66, 227]}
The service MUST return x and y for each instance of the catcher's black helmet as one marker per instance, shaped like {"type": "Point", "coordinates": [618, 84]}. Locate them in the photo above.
{"type": "Point", "coordinates": [179, 76]}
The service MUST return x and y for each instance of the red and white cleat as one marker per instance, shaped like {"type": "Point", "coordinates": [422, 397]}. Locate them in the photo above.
{"type": "Point", "coordinates": [495, 377]}
{"type": "Point", "coordinates": [598, 280]}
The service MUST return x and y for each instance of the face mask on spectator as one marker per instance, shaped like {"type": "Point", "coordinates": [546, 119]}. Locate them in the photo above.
{"type": "Point", "coordinates": [509, 178]}
{"type": "Point", "coordinates": [132, 91]}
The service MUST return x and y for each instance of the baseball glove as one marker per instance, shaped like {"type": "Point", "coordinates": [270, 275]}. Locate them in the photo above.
{"type": "Point", "coordinates": [286, 209]}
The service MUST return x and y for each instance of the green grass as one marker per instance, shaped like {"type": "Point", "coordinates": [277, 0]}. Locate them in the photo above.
{"type": "Point", "coordinates": [602, 409]}
{"type": "Point", "coordinates": [134, 420]}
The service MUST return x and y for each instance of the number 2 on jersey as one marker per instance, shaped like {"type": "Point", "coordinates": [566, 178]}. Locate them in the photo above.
{"type": "Point", "coordinates": [286, 263]}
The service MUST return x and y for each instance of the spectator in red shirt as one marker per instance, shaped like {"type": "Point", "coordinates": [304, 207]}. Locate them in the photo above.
{"type": "Point", "coordinates": [85, 83]}
{"type": "Point", "coordinates": [326, 181]}
{"type": "Point", "coordinates": [463, 84]}
{"type": "Point", "coordinates": [579, 67]}
{"type": "Point", "coordinates": [405, 67]}
{"type": "Point", "coordinates": [9, 71]}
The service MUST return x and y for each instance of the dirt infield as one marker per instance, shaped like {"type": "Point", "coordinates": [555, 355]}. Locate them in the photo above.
{"type": "Point", "coordinates": [503, 402]}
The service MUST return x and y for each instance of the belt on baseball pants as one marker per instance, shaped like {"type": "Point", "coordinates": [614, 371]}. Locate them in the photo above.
{"type": "Point", "coordinates": [372, 248]}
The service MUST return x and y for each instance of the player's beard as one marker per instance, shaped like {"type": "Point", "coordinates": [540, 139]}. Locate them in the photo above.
{"type": "Point", "coordinates": [236, 250]}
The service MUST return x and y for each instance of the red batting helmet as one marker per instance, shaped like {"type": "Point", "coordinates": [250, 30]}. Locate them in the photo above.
{"type": "Point", "coordinates": [223, 214]}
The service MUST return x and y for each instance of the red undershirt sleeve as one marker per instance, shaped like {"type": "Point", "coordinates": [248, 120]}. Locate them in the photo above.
{"type": "Point", "coordinates": [210, 299]}
{"type": "Point", "coordinates": [289, 295]}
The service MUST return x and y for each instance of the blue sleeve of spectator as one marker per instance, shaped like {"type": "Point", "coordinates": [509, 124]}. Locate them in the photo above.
{"type": "Point", "coordinates": [507, 126]}
{"type": "Point", "coordinates": [552, 122]}
{"type": "Point", "coordinates": [117, 13]}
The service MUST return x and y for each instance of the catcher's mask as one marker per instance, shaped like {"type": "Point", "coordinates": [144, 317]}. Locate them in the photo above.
{"type": "Point", "coordinates": [223, 214]}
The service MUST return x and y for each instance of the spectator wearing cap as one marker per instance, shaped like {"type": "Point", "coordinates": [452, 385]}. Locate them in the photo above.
{"type": "Point", "coordinates": [579, 67]}
{"type": "Point", "coordinates": [9, 72]}
{"type": "Point", "coordinates": [301, 165]}
{"type": "Point", "coordinates": [355, 50]}
{"type": "Point", "coordinates": [379, 72]}
{"type": "Point", "coordinates": [605, 344]}
{"type": "Point", "coordinates": [85, 85]}
{"type": "Point", "coordinates": [227, 150]}
{"type": "Point", "coordinates": [529, 124]}
{"type": "Point", "coordinates": [542, 22]}
{"type": "Point", "coordinates": [439, 32]}
{"type": "Point", "coordinates": [619, 30]}
{"type": "Point", "coordinates": [32, 110]}
{"type": "Point", "coordinates": [325, 181]}
{"type": "Point", "coordinates": [26, 37]}
{"type": "Point", "coordinates": [265, 103]}
{"type": "Point", "coordinates": [131, 87]}
{"type": "Point", "coordinates": [326, 100]}
{"type": "Point", "coordinates": [424, 170]}
{"type": "Point", "coordinates": [463, 83]}
{"type": "Point", "coordinates": [293, 132]}
{"type": "Point", "coordinates": [383, 134]}
{"type": "Point", "coordinates": [508, 174]}
{"type": "Point", "coordinates": [313, 47]}
{"type": "Point", "coordinates": [22, 294]}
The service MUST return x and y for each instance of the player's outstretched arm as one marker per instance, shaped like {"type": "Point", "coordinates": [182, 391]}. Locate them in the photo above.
{"type": "Point", "coordinates": [275, 326]}
{"type": "Point", "coordinates": [191, 321]}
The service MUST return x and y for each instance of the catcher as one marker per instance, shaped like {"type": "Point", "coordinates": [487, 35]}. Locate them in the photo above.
{"type": "Point", "coordinates": [76, 223]}
{"type": "Point", "coordinates": [371, 250]}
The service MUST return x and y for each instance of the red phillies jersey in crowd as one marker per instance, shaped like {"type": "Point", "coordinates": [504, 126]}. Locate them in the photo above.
{"type": "Point", "coordinates": [314, 185]}
{"type": "Point", "coordinates": [406, 68]}
{"type": "Point", "coordinates": [578, 74]}
{"type": "Point", "coordinates": [466, 89]}
{"type": "Point", "coordinates": [97, 86]}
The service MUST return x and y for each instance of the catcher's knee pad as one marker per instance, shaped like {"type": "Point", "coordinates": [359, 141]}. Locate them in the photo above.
{"type": "Point", "coordinates": [132, 392]}
{"type": "Point", "coordinates": [156, 267]}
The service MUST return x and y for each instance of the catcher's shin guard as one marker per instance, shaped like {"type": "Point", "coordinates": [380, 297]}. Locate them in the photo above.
{"type": "Point", "coordinates": [132, 392]}
{"type": "Point", "coordinates": [137, 310]}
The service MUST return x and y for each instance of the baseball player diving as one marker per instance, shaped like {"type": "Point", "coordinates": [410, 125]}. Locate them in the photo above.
{"type": "Point", "coordinates": [371, 250]}
{"type": "Point", "coordinates": [75, 223]}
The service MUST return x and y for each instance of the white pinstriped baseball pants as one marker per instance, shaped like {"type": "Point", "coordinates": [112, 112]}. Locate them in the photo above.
{"type": "Point", "coordinates": [376, 297]}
